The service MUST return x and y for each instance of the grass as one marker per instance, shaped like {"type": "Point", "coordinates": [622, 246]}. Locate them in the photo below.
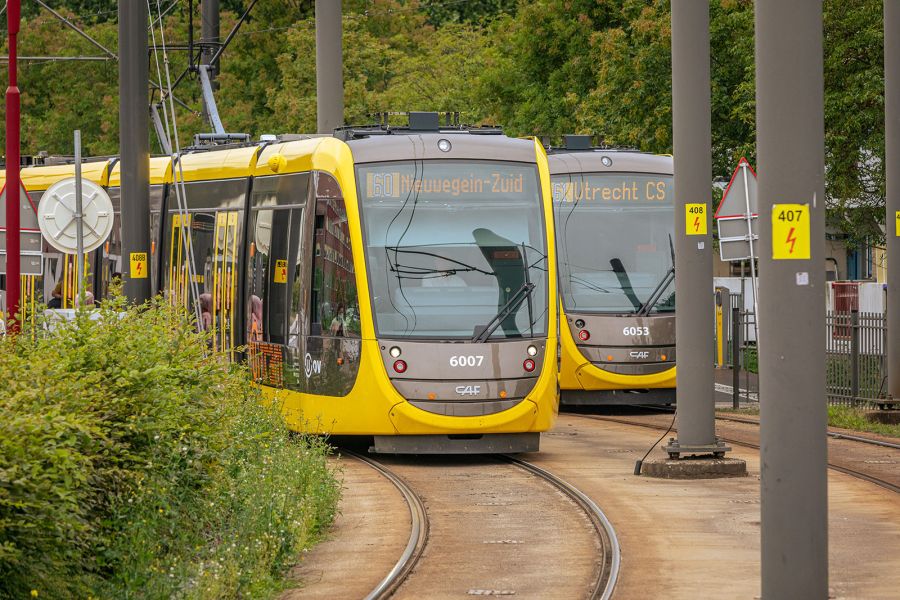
{"type": "Point", "coordinates": [135, 464]}
{"type": "Point", "coordinates": [750, 359]}
{"type": "Point", "coordinates": [844, 417]}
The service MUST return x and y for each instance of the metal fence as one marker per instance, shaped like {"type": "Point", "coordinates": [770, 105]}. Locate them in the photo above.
{"type": "Point", "coordinates": [855, 353]}
{"type": "Point", "coordinates": [855, 357]}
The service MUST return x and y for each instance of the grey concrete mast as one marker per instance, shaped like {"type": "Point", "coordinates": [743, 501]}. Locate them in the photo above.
{"type": "Point", "coordinates": [791, 157]}
{"type": "Point", "coordinates": [209, 33]}
{"type": "Point", "coordinates": [892, 196]}
{"type": "Point", "coordinates": [209, 40]}
{"type": "Point", "coordinates": [329, 66]}
{"type": "Point", "coordinates": [134, 147]}
{"type": "Point", "coordinates": [695, 347]}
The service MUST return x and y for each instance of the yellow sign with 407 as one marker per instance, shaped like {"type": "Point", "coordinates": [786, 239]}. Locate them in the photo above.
{"type": "Point", "coordinates": [790, 232]}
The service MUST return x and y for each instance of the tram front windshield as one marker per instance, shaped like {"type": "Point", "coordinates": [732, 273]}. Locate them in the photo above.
{"type": "Point", "coordinates": [455, 249]}
{"type": "Point", "coordinates": [615, 242]}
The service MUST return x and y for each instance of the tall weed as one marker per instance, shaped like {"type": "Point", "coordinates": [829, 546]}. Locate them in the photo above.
{"type": "Point", "coordinates": [134, 463]}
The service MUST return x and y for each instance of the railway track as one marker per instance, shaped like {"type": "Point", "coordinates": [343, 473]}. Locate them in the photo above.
{"type": "Point", "coordinates": [749, 444]}
{"type": "Point", "coordinates": [605, 558]}
{"type": "Point", "coordinates": [609, 570]}
{"type": "Point", "coordinates": [418, 535]}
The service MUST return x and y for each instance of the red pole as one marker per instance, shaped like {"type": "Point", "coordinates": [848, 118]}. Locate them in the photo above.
{"type": "Point", "coordinates": [13, 185]}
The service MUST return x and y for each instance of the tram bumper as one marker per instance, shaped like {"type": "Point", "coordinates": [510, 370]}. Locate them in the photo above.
{"type": "Point", "coordinates": [510, 431]}
{"type": "Point", "coordinates": [592, 377]}
{"type": "Point", "coordinates": [412, 420]}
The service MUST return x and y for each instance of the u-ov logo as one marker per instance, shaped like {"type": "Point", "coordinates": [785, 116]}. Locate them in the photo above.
{"type": "Point", "coordinates": [311, 366]}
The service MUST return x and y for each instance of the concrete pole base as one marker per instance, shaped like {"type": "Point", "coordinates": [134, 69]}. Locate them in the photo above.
{"type": "Point", "coordinates": [695, 467]}
{"type": "Point", "coordinates": [717, 450]}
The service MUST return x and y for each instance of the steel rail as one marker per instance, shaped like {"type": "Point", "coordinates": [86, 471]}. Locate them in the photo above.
{"type": "Point", "coordinates": [845, 470]}
{"type": "Point", "coordinates": [832, 434]}
{"type": "Point", "coordinates": [418, 535]}
{"type": "Point", "coordinates": [612, 555]}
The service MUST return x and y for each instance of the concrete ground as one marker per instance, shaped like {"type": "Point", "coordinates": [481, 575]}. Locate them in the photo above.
{"type": "Point", "coordinates": [680, 539]}
{"type": "Point", "coordinates": [700, 539]}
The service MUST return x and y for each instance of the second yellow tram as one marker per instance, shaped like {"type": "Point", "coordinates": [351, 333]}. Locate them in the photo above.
{"type": "Point", "coordinates": [614, 219]}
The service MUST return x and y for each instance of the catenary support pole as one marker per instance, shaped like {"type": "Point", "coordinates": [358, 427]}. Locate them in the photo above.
{"type": "Point", "coordinates": [695, 346]}
{"type": "Point", "coordinates": [134, 142]}
{"type": "Point", "coordinates": [13, 264]}
{"type": "Point", "coordinates": [209, 39]}
{"type": "Point", "coordinates": [791, 151]}
{"type": "Point", "coordinates": [329, 66]}
{"type": "Point", "coordinates": [892, 166]}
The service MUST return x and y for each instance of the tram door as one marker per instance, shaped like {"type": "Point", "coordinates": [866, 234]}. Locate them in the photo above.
{"type": "Point", "coordinates": [276, 321]}
{"type": "Point", "coordinates": [202, 254]}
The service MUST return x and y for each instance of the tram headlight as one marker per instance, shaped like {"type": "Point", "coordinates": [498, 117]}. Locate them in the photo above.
{"type": "Point", "coordinates": [400, 366]}
{"type": "Point", "coordinates": [532, 350]}
{"type": "Point", "coordinates": [395, 352]}
{"type": "Point", "coordinates": [584, 335]}
{"type": "Point", "coordinates": [444, 145]}
{"type": "Point", "coordinates": [579, 323]}
{"type": "Point", "coordinates": [528, 365]}
{"type": "Point", "coordinates": [607, 161]}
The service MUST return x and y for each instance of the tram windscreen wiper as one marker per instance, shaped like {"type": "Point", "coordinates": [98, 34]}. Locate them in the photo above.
{"type": "Point", "coordinates": [511, 306]}
{"type": "Point", "coordinates": [625, 283]}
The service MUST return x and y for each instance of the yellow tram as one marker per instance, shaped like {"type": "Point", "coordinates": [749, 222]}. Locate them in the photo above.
{"type": "Point", "coordinates": [615, 222]}
{"type": "Point", "coordinates": [390, 282]}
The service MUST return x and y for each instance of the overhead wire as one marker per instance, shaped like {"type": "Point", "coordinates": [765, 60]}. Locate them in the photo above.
{"type": "Point", "coordinates": [177, 168]}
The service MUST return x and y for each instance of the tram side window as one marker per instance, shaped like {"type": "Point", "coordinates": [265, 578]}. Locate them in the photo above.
{"type": "Point", "coordinates": [272, 275]}
{"type": "Point", "coordinates": [214, 228]}
{"type": "Point", "coordinates": [334, 300]}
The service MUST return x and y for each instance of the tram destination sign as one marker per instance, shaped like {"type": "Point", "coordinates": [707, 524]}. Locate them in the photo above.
{"type": "Point", "coordinates": [442, 181]}
{"type": "Point", "coordinates": [610, 188]}
{"type": "Point", "coordinates": [399, 184]}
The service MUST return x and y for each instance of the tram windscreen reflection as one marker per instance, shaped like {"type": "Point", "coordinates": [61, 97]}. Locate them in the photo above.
{"type": "Point", "coordinates": [449, 244]}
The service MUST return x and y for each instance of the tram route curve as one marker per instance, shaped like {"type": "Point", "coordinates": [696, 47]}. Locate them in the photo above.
{"type": "Point", "coordinates": [496, 529]}
{"type": "Point", "coordinates": [379, 533]}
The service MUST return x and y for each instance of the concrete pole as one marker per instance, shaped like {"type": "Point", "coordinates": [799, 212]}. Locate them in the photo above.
{"type": "Point", "coordinates": [209, 32]}
{"type": "Point", "coordinates": [695, 347]}
{"type": "Point", "coordinates": [329, 66]}
{"type": "Point", "coordinates": [791, 151]}
{"type": "Point", "coordinates": [892, 168]}
{"type": "Point", "coordinates": [134, 142]}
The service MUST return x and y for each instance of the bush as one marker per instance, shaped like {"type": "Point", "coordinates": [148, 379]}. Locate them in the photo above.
{"type": "Point", "coordinates": [135, 464]}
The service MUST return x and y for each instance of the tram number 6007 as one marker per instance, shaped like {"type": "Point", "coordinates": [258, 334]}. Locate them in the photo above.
{"type": "Point", "coordinates": [467, 361]}
{"type": "Point", "coordinates": [636, 331]}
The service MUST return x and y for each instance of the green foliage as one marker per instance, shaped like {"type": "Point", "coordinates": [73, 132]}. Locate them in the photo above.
{"type": "Point", "coordinates": [854, 117]}
{"type": "Point", "coordinates": [135, 464]}
{"type": "Point", "coordinates": [538, 67]}
{"type": "Point", "coordinates": [847, 417]}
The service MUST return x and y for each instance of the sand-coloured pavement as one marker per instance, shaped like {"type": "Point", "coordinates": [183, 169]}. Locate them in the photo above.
{"type": "Point", "coordinates": [700, 539]}
{"type": "Point", "coordinates": [366, 540]}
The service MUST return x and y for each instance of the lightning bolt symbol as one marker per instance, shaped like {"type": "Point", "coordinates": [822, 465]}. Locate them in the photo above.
{"type": "Point", "coordinates": [696, 223]}
{"type": "Point", "coordinates": [791, 239]}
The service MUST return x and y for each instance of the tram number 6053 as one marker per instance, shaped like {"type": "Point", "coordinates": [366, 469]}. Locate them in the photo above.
{"type": "Point", "coordinates": [467, 360]}
{"type": "Point", "coordinates": [636, 331]}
